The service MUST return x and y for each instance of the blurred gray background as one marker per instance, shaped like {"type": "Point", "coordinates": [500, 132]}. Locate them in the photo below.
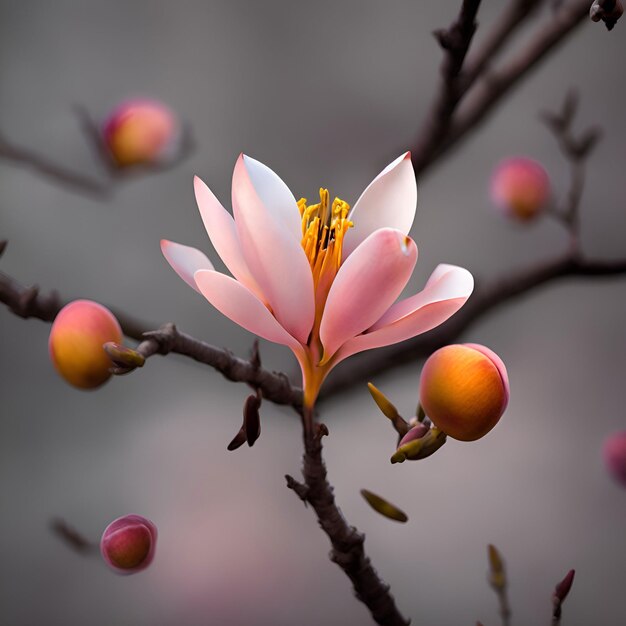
{"type": "Point", "coordinates": [325, 93]}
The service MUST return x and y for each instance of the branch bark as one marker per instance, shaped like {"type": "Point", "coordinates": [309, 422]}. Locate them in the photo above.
{"type": "Point", "coordinates": [347, 542]}
{"type": "Point", "coordinates": [484, 300]}
{"type": "Point", "coordinates": [28, 302]}
{"type": "Point", "coordinates": [445, 127]}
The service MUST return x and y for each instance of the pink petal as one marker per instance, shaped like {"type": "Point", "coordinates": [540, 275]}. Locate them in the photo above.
{"type": "Point", "coordinates": [185, 261]}
{"type": "Point", "coordinates": [273, 255]}
{"type": "Point", "coordinates": [367, 283]}
{"type": "Point", "coordinates": [445, 293]}
{"type": "Point", "coordinates": [238, 303]}
{"type": "Point", "coordinates": [389, 200]}
{"type": "Point", "coordinates": [222, 232]}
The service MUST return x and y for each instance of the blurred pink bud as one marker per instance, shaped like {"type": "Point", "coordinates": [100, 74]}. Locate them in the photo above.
{"type": "Point", "coordinates": [140, 132]}
{"type": "Point", "coordinates": [563, 588]}
{"type": "Point", "coordinates": [615, 456]}
{"type": "Point", "coordinates": [464, 390]}
{"type": "Point", "coordinates": [127, 545]}
{"type": "Point", "coordinates": [520, 188]}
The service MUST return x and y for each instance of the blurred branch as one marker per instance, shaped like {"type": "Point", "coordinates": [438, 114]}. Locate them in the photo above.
{"type": "Point", "coordinates": [51, 170]}
{"type": "Point", "coordinates": [81, 183]}
{"type": "Point", "coordinates": [445, 126]}
{"type": "Point", "coordinates": [72, 538]}
{"type": "Point", "coordinates": [484, 300]}
{"type": "Point", "coordinates": [347, 542]}
{"type": "Point", "coordinates": [29, 302]}
{"type": "Point", "coordinates": [576, 150]}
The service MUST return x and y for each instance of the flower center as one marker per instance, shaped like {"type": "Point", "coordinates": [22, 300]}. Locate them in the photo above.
{"type": "Point", "coordinates": [323, 230]}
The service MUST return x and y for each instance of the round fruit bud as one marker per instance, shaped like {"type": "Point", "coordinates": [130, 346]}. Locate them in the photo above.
{"type": "Point", "coordinates": [615, 456]}
{"type": "Point", "coordinates": [520, 188]}
{"type": "Point", "coordinates": [127, 545]}
{"type": "Point", "coordinates": [140, 132]}
{"type": "Point", "coordinates": [78, 333]}
{"type": "Point", "coordinates": [464, 389]}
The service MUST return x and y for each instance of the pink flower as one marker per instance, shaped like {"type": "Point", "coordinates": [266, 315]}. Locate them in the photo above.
{"type": "Point", "coordinates": [320, 279]}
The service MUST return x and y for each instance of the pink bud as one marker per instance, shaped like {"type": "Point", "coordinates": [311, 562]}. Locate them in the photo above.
{"type": "Point", "coordinates": [615, 456]}
{"type": "Point", "coordinates": [127, 545]}
{"type": "Point", "coordinates": [140, 132]}
{"type": "Point", "coordinates": [464, 390]}
{"type": "Point", "coordinates": [417, 432]}
{"type": "Point", "coordinates": [77, 336]}
{"type": "Point", "coordinates": [520, 188]}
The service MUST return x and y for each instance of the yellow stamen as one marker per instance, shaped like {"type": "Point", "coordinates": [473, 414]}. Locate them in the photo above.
{"type": "Point", "coordinates": [322, 239]}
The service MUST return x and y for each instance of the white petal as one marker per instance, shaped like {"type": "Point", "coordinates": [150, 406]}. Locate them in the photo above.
{"type": "Point", "coordinates": [389, 200]}
{"type": "Point", "coordinates": [275, 195]}
{"type": "Point", "coordinates": [185, 261]}
{"type": "Point", "coordinates": [222, 232]}
{"type": "Point", "coordinates": [275, 258]}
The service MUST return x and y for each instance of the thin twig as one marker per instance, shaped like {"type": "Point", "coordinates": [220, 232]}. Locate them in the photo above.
{"type": "Point", "coordinates": [85, 184]}
{"type": "Point", "coordinates": [576, 149]}
{"type": "Point", "coordinates": [73, 538]}
{"type": "Point", "coordinates": [52, 170]}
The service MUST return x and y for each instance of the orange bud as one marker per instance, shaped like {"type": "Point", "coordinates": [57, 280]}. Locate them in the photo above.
{"type": "Point", "coordinates": [464, 390]}
{"type": "Point", "coordinates": [520, 187]}
{"type": "Point", "coordinates": [140, 132]}
{"type": "Point", "coordinates": [76, 343]}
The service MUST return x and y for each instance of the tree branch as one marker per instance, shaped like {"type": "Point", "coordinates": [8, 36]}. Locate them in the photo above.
{"type": "Point", "coordinates": [484, 300]}
{"type": "Point", "coordinates": [81, 183]}
{"type": "Point", "coordinates": [445, 127]}
{"type": "Point", "coordinates": [51, 170]}
{"type": "Point", "coordinates": [347, 542]}
{"type": "Point", "coordinates": [28, 302]}
{"type": "Point", "coordinates": [455, 41]}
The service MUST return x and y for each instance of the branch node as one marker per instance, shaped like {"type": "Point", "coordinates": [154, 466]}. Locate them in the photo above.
{"type": "Point", "coordinates": [165, 337]}
{"type": "Point", "coordinates": [301, 490]}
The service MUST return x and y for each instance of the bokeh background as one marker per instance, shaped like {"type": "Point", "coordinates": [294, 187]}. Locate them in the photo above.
{"type": "Point", "coordinates": [326, 93]}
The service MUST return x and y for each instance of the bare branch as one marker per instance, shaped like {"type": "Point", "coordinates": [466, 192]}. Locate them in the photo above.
{"type": "Point", "coordinates": [275, 387]}
{"type": "Point", "coordinates": [494, 86]}
{"type": "Point", "coordinates": [485, 299]}
{"type": "Point", "coordinates": [347, 542]}
{"type": "Point", "coordinates": [512, 17]}
{"type": "Point", "coordinates": [445, 127]}
{"type": "Point", "coordinates": [81, 183]}
{"type": "Point", "coordinates": [455, 41]}
{"type": "Point", "coordinates": [51, 170]}
{"type": "Point", "coordinates": [576, 150]}
{"type": "Point", "coordinates": [71, 537]}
